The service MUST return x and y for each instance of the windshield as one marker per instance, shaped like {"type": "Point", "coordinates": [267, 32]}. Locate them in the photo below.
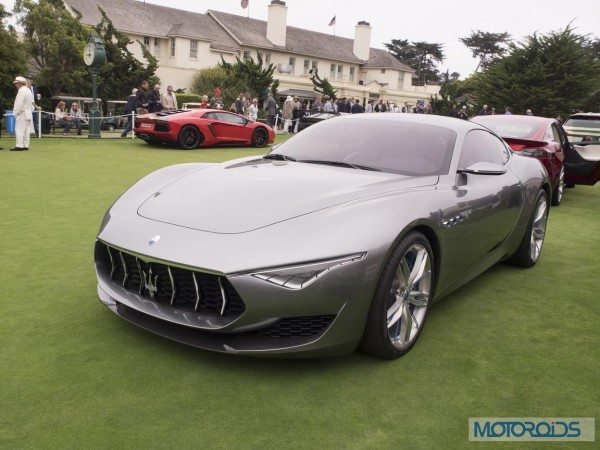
{"type": "Point", "coordinates": [387, 145]}
{"type": "Point", "coordinates": [583, 129]}
{"type": "Point", "coordinates": [509, 129]}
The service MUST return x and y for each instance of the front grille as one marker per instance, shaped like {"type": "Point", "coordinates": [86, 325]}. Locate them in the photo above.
{"type": "Point", "coordinates": [292, 327]}
{"type": "Point", "coordinates": [181, 288]}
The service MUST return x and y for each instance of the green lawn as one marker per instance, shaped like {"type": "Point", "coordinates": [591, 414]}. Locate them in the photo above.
{"type": "Point", "coordinates": [512, 343]}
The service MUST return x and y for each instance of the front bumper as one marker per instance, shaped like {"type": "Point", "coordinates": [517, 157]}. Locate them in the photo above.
{"type": "Point", "coordinates": [333, 311]}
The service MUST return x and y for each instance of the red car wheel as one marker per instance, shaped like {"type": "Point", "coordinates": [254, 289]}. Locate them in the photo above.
{"type": "Point", "coordinates": [190, 137]}
{"type": "Point", "coordinates": [260, 137]}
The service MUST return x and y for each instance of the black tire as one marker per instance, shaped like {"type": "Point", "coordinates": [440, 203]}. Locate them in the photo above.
{"type": "Point", "coordinates": [110, 128]}
{"type": "Point", "coordinates": [523, 257]}
{"type": "Point", "coordinates": [260, 137]}
{"type": "Point", "coordinates": [376, 339]}
{"type": "Point", "coordinates": [190, 137]}
{"type": "Point", "coordinates": [557, 193]}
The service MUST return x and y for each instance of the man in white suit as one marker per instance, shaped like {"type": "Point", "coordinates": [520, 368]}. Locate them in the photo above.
{"type": "Point", "coordinates": [23, 112]}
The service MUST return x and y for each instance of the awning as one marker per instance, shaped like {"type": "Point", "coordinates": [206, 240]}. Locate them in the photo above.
{"type": "Point", "coordinates": [300, 93]}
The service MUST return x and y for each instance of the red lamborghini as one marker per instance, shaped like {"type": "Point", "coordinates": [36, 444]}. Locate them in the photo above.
{"type": "Point", "coordinates": [201, 128]}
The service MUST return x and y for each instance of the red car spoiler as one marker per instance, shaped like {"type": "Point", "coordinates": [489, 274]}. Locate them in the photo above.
{"type": "Point", "coordinates": [525, 143]}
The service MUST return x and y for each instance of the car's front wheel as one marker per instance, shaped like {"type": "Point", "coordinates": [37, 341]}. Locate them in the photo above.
{"type": "Point", "coordinates": [402, 299]}
{"type": "Point", "coordinates": [260, 137]}
{"type": "Point", "coordinates": [557, 194]}
{"type": "Point", "coordinates": [533, 240]}
{"type": "Point", "coordinates": [190, 137]}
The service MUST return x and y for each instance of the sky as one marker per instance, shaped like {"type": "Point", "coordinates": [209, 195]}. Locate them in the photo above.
{"type": "Point", "coordinates": [441, 21]}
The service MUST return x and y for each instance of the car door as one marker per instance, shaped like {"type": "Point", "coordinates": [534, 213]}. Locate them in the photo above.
{"type": "Point", "coordinates": [230, 127]}
{"type": "Point", "coordinates": [487, 206]}
{"type": "Point", "coordinates": [582, 155]}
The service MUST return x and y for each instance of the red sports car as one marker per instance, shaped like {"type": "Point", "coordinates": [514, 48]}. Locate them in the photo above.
{"type": "Point", "coordinates": [201, 128]}
{"type": "Point", "coordinates": [539, 137]}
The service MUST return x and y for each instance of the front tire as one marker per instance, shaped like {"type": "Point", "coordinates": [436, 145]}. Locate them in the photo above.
{"type": "Point", "coordinates": [190, 137]}
{"type": "Point", "coordinates": [531, 246]}
{"type": "Point", "coordinates": [260, 137]}
{"type": "Point", "coordinates": [110, 128]}
{"type": "Point", "coordinates": [402, 299]}
{"type": "Point", "coordinates": [557, 194]}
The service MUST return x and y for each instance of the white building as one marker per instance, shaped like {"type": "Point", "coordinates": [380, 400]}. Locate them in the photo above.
{"type": "Point", "coordinates": [185, 42]}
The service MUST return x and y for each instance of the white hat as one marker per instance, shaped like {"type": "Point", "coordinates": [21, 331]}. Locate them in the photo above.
{"type": "Point", "coordinates": [21, 80]}
{"type": "Point", "coordinates": [289, 99]}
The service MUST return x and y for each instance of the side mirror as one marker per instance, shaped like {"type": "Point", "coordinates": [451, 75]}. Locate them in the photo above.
{"type": "Point", "coordinates": [484, 168]}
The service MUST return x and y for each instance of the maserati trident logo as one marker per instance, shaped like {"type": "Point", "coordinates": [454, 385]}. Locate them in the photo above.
{"type": "Point", "coordinates": [150, 284]}
{"type": "Point", "coordinates": [154, 240]}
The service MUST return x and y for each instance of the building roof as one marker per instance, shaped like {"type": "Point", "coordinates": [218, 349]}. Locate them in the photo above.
{"type": "Point", "coordinates": [153, 20]}
{"type": "Point", "coordinates": [228, 32]}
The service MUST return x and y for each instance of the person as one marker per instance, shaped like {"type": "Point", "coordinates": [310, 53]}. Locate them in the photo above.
{"type": "Point", "coordinates": [356, 108]}
{"type": "Point", "coordinates": [204, 104]}
{"type": "Point", "coordinates": [296, 114]}
{"type": "Point", "coordinates": [154, 104]}
{"type": "Point", "coordinates": [130, 108]}
{"type": "Point", "coordinates": [507, 111]}
{"type": "Point", "coordinates": [240, 103]}
{"type": "Point", "coordinates": [380, 107]}
{"type": "Point", "coordinates": [253, 110]}
{"type": "Point", "coordinates": [271, 109]}
{"type": "Point", "coordinates": [76, 116]}
{"type": "Point", "coordinates": [484, 111]}
{"type": "Point", "coordinates": [317, 105]}
{"type": "Point", "coordinates": [62, 118]}
{"type": "Point", "coordinates": [529, 113]}
{"type": "Point", "coordinates": [37, 98]}
{"type": "Point", "coordinates": [559, 119]}
{"type": "Point", "coordinates": [169, 100]}
{"type": "Point", "coordinates": [288, 113]}
{"type": "Point", "coordinates": [142, 98]}
{"type": "Point", "coordinates": [330, 107]}
{"type": "Point", "coordinates": [493, 112]}
{"type": "Point", "coordinates": [369, 109]}
{"type": "Point", "coordinates": [23, 112]}
{"type": "Point", "coordinates": [462, 114]}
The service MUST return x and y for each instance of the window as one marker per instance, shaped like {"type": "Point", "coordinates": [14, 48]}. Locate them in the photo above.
{"type": "Point", "coordinates": [400, 81]}
{"type": "Point", "coordinates": [306, 67]}
{"type": "Point", "coordinates": [147, 41]}
{"type": "Point", "coordinates": [315, 65]}
{"type": "Point", "coordinates": [267, 59]}
{"type": "Point", "coordinates": [173, 47]}
{"type": "Point", "coordinates": [194, 49]}
{"type": "Point", "coordinates": [340, 72]}
{"type": "Point", "coordinates": [555, 135]}
{"type": "Point", "coordinates": [157, 47]}
{"type": "Point", "coordinates": [230, 118]}
{"type": "Point", "coordinates": [481, 146]}
{"type": "Point", "coordinates": [292, 64]}
{"type": "Point", "coordinates": [382, 70]}
{"type": "Point", "coordinates": [351, 77]}
{"type": "Point", "coordinates": [332, 71]}
{"type": "Point", "coordinates": [246, 55]}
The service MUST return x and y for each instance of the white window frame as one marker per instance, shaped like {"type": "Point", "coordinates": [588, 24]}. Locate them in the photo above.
{"type": "Point", "coordinates": [292, 64]}
{"type": "Point", "coordinates": [306, 67]}
{"type": "Point", "coordinates": [246, 55]}
{"type": "Point", "coordinates": [340, 72]}
{"type": "Point", "coordinates": [332, 71]}
{"type": "Point", "coordinates": [193, 49]}
{"type": "Point", "coordinates": [352, 72]}
{"type": "Point", "coordinates": [173, 45]}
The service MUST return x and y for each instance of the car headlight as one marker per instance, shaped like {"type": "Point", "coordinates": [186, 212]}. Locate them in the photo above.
{"type": "Point", "coordinates": [303, 275]}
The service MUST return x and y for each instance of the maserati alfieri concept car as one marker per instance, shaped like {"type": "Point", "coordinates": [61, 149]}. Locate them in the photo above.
{"type": "Point", "coordinates": [340, 238]}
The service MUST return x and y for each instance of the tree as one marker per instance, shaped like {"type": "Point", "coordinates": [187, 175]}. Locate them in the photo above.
{"type": "Point", "coordinates": [54, 39]}
{"type": "Point", "coordinates": [207, 79]}
{"type": "Point", "coordinates": [122, 70]}
{"type": "Point", "coordinates": [12, 55]}
{"type": "Point", "coordinates": [257, 78]}
{"type": "Point", "coordinates": [454, 76]}
{"type": "Point", "coordinates": [486, 46]}
{"type": "Point", "coordinates": [322, 85]}
{"type": "Point", "coordinates": [550, 74]}
{"type": "Point", "coordinates": [421, 56]}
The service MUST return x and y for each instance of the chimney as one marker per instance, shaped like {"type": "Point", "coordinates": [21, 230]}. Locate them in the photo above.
{"type": "Point", "coordinates": [277, 23]}
{"type": "Point", "coordinates": [362, 40]}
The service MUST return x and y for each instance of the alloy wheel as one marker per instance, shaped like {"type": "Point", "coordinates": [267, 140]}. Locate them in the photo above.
{"type": "Point", "coordinates": [409, 296]}
{"type": "Point", "coordinates": [538, 229]}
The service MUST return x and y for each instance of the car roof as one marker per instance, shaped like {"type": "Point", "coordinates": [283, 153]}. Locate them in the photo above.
{"type": "Point", "coordinates": [586, 115]}
{"type": "Point", "coordinates": [429, 119]}
{"type": "Point", "coordinates": [515, 118]}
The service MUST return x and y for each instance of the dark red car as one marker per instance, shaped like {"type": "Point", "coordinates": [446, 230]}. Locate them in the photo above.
{"type": "Point", "coordinates": [538, 137]}
{"type": "Point", "coordinates": [201, 128]}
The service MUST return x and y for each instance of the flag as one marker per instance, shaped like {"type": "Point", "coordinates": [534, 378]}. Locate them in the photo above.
{"type": "Point", "coordinates": [332, 22]}
{"type": "Point", "coordinates": [245, 3]}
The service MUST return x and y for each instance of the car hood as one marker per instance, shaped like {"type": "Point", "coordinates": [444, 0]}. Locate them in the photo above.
{"type": "Point", "coordinates": [244, 196]}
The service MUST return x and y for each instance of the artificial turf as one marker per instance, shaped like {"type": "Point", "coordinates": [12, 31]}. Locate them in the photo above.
{"type": "Point", "coordinates": [512, 343]}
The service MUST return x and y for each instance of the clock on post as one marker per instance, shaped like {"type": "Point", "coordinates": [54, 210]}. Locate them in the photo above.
{"type": "Point", "coordinates": [94, 56]}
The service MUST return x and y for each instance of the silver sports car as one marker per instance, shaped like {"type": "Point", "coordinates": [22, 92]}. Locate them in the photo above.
{"type": "Point", "coordinates": [340, 238]}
